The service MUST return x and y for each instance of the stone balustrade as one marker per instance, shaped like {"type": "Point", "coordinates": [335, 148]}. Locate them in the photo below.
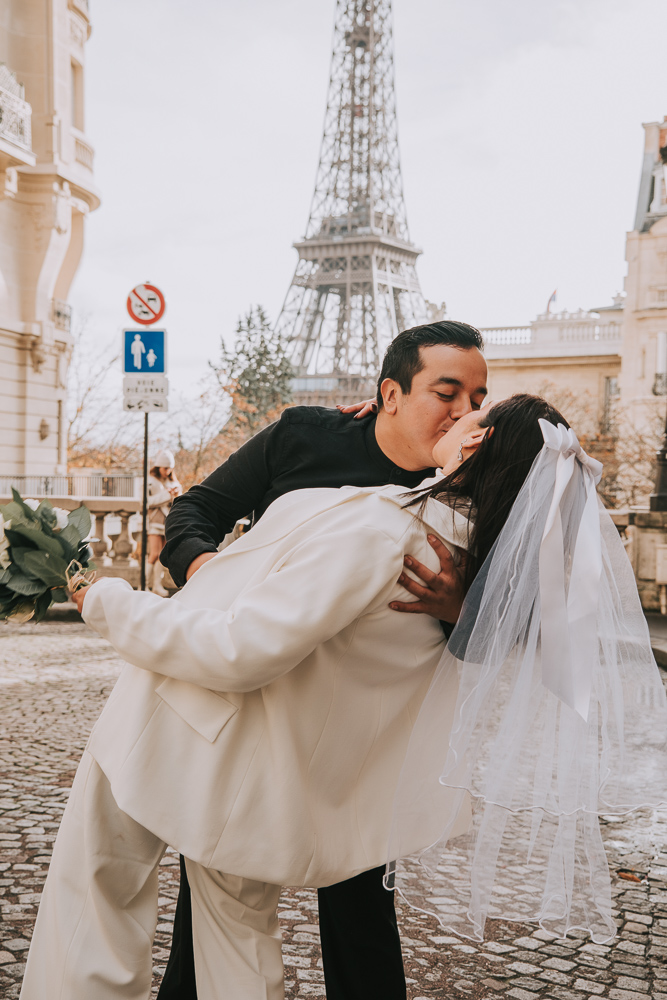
{"type": "Point", "coordinates": [116, 535]}
{"type": "Point", "coordinates": [556, 335]}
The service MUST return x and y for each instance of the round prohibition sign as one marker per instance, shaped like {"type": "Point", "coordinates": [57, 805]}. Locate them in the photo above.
{"type": "Point", "coordinates": [146, 304]}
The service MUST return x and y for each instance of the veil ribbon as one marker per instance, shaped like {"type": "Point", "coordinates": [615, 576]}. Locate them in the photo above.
{"type": "Point", "coordinates": [569, 638]}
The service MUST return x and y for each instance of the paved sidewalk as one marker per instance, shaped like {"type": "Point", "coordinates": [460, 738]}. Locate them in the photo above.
{"type": "Point", "coordinates": [54, 678]}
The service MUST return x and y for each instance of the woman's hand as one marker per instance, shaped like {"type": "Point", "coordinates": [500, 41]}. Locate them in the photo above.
{"type": "Point", "coordinates": [79, 595]}
{"type": "Point", "coordinates": [361, 409]}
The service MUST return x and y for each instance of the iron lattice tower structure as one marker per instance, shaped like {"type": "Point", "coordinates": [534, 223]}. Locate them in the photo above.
{"type": "Point", "coordinates": [355, 284]}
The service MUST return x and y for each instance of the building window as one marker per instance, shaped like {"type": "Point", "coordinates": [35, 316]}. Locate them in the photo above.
{"type": "Point", "coordinates": [77, 95]}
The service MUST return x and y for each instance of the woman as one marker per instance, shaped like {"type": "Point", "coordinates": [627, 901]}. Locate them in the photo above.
{"type": "Point", "coordinates": [163, 487]}
{"type": "Point", "coordinates": [269, 748]}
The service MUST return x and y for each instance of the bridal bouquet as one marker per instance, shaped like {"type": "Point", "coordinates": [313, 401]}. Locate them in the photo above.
{"type": "Point", "coordinates": [43, 556]}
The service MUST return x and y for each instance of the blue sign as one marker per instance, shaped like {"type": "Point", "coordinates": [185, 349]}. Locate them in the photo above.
{"type": "Point", "coordinates": [144, 352]}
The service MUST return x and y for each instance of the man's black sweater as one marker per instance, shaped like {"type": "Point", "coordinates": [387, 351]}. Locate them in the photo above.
{"type": "Point", "coordinates": [309, 447]}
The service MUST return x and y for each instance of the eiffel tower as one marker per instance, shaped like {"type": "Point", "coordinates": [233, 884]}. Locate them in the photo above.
{"type": "Point", "coordinates": [355, 285]}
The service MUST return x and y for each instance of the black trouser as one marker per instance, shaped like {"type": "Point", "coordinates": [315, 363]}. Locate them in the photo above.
{"type": "Point", "coordinates": [361, 950]}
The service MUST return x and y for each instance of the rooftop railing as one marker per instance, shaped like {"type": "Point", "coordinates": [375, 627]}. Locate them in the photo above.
{"type": "Point", "coordinates": [507, 334]}
{"type": "Point", "coordinates": [559, 334]}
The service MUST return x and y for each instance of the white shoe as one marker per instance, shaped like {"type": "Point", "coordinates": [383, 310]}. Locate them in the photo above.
{"type": "Point", "coordinates": [157, 587]}
{"type": "Point", "coordinates": [149, 575]}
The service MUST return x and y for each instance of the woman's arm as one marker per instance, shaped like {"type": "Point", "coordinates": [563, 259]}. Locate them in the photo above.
{"type": "Point", "coordinates": [323, 586]}
{"type": "Point", "coordinates": [158, 494]}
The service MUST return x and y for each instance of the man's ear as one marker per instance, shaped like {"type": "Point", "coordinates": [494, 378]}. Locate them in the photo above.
{"type": "Point", "coordinates": [390, 391]}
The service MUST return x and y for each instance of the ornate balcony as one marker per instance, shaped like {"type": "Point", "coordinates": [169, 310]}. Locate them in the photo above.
{"type": "Point", "coordinates": [83, 153]}
{"type": "Point", "coordinates": [15, 112]}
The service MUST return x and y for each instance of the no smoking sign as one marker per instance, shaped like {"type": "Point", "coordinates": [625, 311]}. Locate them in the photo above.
{"type": "Point", "coordinates": [146, 304]}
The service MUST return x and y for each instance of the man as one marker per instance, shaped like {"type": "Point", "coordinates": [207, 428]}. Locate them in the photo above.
{"type": "Point", "coordinates": [431, 375]}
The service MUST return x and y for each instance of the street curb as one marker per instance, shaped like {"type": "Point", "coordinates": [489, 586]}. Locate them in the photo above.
{"type": "Point", "coordinates": [63, 612]}
{"type": "Point", "coordinates": [660, 656]}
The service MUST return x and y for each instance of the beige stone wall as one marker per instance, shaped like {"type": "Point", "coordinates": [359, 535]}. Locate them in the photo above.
{"type": "Point", "coordinates": [45, 194]}
{"type": "Point", "coordinates": [32, 407]}
{"type": "Point", "coordinates": [645, 318]}
{"type": "Point", "coordinates": [574, 384]}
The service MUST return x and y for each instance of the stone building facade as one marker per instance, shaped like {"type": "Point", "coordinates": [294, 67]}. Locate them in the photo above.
{"type": "Point", "coordinates": [644, 351]}
{"type": "Point", "coordinates": [46, 191]}
{"type": "Point", "coordinates": [572, 358]}
{"type": "Point", "coordinates": [613, 355]}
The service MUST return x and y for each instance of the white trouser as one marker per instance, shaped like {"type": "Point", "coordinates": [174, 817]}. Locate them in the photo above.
{"type": "Point", "coordinates": [97, 918]}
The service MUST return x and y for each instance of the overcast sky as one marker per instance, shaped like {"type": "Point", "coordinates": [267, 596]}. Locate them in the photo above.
{"type": "Point", "coordinates": [520, 133]}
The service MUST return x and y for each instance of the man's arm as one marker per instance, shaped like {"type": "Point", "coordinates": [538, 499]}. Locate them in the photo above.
{"type": "Point", "coordinates": [199, 520]}
{"type": "Point", "coordinates": [268, 630]}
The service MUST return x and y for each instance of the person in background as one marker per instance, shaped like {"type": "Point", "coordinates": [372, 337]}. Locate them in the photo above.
{"type": "Point", "coordinates": [163, 488]}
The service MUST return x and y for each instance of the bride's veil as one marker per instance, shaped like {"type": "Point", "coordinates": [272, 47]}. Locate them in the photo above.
{"type": "Point", "coordinates": [560, 716]}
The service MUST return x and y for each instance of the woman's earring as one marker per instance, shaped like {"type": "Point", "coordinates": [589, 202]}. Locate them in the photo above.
{"type": "Point", "coordinates": [460, 454]}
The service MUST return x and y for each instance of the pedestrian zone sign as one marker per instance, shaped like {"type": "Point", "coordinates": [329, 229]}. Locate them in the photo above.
{"type": "Point", "coordinates": [144, 352]}
{"type": "Point", "coordinates": [143, 393]}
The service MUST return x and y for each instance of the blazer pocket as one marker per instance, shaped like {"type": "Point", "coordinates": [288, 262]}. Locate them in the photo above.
{"type": "Point", "coordinates": [204, 711]}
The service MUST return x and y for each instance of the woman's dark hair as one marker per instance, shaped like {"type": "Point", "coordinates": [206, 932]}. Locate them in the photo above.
{"type": "Point", "coordinates": [486, 485]}
{"type": "Point", "coordinates": [403, 359]}
{"type": "Point", "coordinates": [155, 473]}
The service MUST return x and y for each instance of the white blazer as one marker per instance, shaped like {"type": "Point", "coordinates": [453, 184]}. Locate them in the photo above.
{"type": "Point", "coordinates": [262, 719]}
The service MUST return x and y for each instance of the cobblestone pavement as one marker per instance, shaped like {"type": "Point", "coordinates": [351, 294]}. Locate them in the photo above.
{"type": "Point", "coordinates": [54, 679]}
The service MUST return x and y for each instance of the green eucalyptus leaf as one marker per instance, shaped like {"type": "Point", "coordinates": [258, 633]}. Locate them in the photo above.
{"type": "Point", "coordinates": [14, 513]}
{"type": "Point", "coordinates": [80, 519]}
{"type": "Point", "coordinates": [47, 516]}
{"type": "Point", "coordinates": [28, 512]}
{"type": "Point", "coordinates": [70, 541]}
{"type": "Point", "coordinates": [59, 595]}
{"type": "Point", "coordinates": [19, 552]}
{"type": "Point", "coordinates": [4, 576]}
{"type": "Point", "coordinates": [46, 543]}
{"type": "Point", "coordinates": [18, 541]}
{"type": "Point", "coordinates": [50, 569]}
{"type": "Point", "coordinates": [42, 605]}
{"type": "Point", "coordinates": [22, 584]}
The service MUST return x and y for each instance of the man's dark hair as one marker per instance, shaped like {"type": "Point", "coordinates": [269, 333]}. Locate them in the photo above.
{"type": "Point", "coordinates": [403, 359]}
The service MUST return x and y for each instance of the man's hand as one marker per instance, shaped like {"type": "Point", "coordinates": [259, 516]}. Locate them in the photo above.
{"type": "Point", "coordinates": [199, 561]}
{"type": "Point", "coordinates": [361, 409]}
{"type": "Point", "coordinates": [441, 594]}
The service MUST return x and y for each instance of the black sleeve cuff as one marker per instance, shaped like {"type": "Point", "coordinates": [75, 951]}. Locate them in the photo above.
{"type": "Point", "coordinates": [182, 556]}
{"type": "Point", "coordinates": [447, 627]}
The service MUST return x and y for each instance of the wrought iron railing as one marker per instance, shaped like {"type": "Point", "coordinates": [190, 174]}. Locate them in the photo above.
{"type": "Point", "coordinates": [83, 486]}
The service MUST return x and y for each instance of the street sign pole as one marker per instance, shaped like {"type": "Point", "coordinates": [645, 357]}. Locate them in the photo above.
{"type": "Point", "coordinates": [144, 508]}
{"type": "Point", "coordinates": [145, 385]}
